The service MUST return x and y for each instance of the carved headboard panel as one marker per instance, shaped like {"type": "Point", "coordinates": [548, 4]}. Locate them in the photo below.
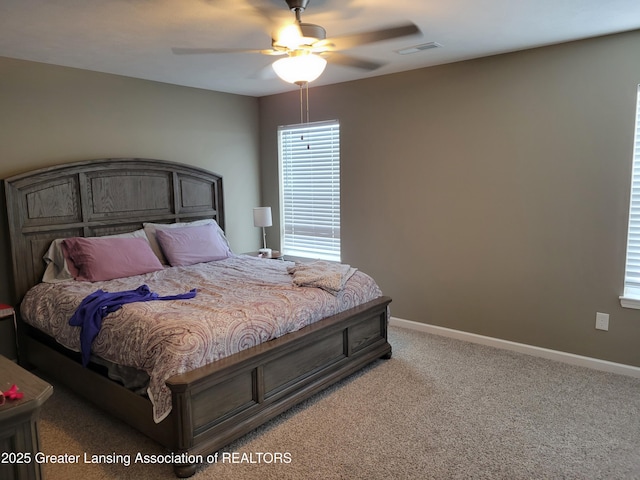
{"type": "Point", "coordinates": [100, 197]}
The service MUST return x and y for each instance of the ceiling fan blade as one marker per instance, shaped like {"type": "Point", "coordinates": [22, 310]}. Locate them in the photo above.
{"type": "Point", "coordinates": [344, 42]}
{"type": "Point", "coordinates": [200, 51]}
{"type": "Point", "coordinates": [349, 61]}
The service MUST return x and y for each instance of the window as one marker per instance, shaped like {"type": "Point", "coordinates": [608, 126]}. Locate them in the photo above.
{"type": "Point", "coordinates": [631, 296]}
{"type": "Point", "coordinates": [310, 189]}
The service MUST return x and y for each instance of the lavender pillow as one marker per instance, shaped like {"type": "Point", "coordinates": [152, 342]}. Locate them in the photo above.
{"type": "Point", "coordinates": [150, 230]}
{"type": "Point", "coordinates": [189, 245]}
{"type": "Point", "coordinates": [94, 259]}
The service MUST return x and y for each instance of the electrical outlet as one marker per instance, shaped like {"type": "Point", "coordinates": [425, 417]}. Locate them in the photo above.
{"type": "Point", "coordinates": [602, 321]}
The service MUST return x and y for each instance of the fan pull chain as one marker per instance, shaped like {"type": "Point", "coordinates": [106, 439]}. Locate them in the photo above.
{"type": "Point", "coordinates": [301, 103]}
{"type": "Point", "coordinates": [304, 86]}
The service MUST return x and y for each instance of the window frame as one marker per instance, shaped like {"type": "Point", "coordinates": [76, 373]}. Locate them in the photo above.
{"type": "Point", "coordinates": [310, 217]}
{"type": "Point", "coordinates": [631, 296]}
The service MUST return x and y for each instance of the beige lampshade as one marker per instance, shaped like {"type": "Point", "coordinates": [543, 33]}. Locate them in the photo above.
{"type": "Point", "coordinates": [262, 217]}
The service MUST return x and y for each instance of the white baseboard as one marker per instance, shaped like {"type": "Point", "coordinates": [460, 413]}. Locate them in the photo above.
{"type": "Point", "coordinates": [570, 358]}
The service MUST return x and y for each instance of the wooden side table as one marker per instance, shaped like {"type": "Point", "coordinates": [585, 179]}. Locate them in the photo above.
{"type": "Point", "coordinates": [275, 255]}
{"type": "Point", "coordinates": [19, 440]}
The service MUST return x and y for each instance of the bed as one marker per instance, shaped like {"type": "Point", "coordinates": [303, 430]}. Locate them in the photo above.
{"type": "Point", "coordinates": [213, 403]}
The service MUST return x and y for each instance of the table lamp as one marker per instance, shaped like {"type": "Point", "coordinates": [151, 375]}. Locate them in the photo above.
{"type": "Point", "coordinates": [262, 218]}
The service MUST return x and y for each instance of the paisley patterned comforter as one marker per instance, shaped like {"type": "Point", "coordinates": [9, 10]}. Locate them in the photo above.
{"type": "Point", "coordinates": [241, 301]}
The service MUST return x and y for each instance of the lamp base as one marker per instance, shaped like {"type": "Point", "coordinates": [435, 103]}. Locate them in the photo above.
{"type": "Point", "coordinates": [265, 251]}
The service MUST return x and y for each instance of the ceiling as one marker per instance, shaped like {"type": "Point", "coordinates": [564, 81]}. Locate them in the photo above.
{"type": "Point", "coordinates": [134, 37]}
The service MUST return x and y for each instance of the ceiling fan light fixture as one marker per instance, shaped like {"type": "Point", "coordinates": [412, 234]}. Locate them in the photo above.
{"type": "Point", "coordinates": [287, 38]}
{"type": "Point", "coordinates": [301, 68]}
{"type": "Point", "coordinates": [297, 35]}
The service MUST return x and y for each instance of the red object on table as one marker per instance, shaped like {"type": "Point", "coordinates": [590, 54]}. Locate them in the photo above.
{"type": "Point", "coordinates": [13, 393]}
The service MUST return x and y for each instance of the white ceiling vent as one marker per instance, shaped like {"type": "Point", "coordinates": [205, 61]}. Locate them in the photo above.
{"type": "Point", "coordinates": [418, 48]}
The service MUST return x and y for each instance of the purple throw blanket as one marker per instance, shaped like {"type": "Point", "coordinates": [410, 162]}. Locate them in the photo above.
{"type": "Point", "coordinates": [92, 310]}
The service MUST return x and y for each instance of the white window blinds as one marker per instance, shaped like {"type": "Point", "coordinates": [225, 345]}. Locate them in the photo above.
{"type": "Point", "coordinates": [310, 189]}
{"type": "Point", "coordinates": [632, 272]}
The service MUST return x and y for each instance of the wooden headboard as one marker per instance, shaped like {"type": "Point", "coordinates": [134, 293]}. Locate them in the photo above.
{"type": "Point", "coordinates": [100, 197]}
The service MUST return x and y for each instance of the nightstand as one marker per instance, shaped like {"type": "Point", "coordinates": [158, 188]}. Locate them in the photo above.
{"type": "Point", "coordinates": [19, 440]}
{"type": "Point", "coordinates": [275, 255]}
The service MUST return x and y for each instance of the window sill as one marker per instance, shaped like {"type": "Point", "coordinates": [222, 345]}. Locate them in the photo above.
{"type": "Point", "coordinates": [631, 299]}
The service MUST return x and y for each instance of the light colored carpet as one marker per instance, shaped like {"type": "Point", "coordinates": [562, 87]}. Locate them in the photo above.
{"type": "Point", "coordinates": [439, 409]}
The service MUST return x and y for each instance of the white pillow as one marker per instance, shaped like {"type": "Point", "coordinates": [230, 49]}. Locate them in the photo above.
{"type": "Point", "coordinates": [150, 230]}
{"type": "Point", "coordinates": [57, 270]}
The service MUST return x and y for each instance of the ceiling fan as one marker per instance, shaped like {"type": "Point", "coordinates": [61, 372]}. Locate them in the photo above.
{"type": "Point", "coordinates": [306, 45]}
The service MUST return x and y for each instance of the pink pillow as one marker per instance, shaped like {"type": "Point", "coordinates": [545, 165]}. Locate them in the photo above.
{"type": "Point", "coordinates": [94, 259]}
{"type": "Point", "coordinates": [189, 245]}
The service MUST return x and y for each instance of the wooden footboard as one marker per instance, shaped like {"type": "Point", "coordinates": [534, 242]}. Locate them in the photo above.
{"type": "Point", "coordinates": [227, 399]}
{"type": "Point", "coordinates": [218, 403]}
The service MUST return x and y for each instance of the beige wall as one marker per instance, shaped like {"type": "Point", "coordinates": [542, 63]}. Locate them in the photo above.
{"type": "Point", "coordinates": [55, 114]}
{"type": "Point", "coordinates": [491, 195]}
{"type": "Point", "coordinates": [51, 115]}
